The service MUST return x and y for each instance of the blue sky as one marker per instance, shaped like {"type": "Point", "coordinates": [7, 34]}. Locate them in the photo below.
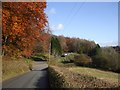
{"type": "Point", "coordinates": [95, 21]}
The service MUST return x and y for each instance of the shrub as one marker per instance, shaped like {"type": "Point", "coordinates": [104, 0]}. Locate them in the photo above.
{"type": "Point", "coordinates": [82, 60]}
{"type": "Point", "coordinates": [99, 62]}
{"type": "Point", "coordinates": [68, 58]}
{"type": "Point", "coordinates": [107, 59]}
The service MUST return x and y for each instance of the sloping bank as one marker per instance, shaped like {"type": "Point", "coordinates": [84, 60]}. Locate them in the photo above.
{"type": "Point", "coordinates": [61, 77]}
{"type": "Point", "coordinates": [12, 68]}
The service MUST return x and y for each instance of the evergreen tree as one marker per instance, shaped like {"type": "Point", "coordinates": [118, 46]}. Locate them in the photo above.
{"type": "Point", "coordinates": [55, 46]}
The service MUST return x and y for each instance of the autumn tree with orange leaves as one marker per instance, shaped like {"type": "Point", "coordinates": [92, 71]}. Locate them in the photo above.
{"type": "Point", "coordinates": [23, 24]}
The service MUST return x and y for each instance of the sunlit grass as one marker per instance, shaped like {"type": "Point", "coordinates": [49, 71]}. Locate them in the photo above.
{"type": "Point", "coordinates": [105, 75]}
{"type": "Point", "coordinates": [11, 68]}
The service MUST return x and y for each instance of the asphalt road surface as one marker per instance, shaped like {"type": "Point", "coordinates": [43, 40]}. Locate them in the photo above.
{"type": "Point", "coordinates": [37, 78]}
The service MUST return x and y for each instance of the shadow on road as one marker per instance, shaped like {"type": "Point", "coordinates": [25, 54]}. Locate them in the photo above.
{"type": "Point", "coordinates": [43, 81]}
{"type": "Point", "coordinates": [37, 59]}
{"type": "Point", "coordinates": [44, 69]}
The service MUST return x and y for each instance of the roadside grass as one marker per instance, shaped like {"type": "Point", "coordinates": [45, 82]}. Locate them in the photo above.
{"type": "Point", "coordinates": [12, 68]}
{"type": "Point", "coordinates": [104, 75]}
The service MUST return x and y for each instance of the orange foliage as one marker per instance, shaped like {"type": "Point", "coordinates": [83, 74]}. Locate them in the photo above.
{"type": "Point", "coordinates": [23, 25]}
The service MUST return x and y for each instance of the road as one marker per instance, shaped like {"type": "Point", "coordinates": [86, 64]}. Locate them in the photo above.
{"type": "Point", "coordinates": [37, 78]}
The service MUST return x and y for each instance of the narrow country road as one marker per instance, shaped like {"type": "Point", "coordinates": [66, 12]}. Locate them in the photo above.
{"type": "Point", "coordinates": [37, 78]}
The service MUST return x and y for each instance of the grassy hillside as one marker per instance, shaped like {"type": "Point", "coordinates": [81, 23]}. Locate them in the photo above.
{"type": "Point", "coordinates": [14, 67]}
{"type": "Point", "coordinates": [79, 77]}
{"type": "Point", "coordinates": [104, 75]}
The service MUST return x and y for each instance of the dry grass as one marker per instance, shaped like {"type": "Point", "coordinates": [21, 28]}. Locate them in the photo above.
{"type": "Point", "coordinates": [82, 79]}
{"type": "Point", "coordinates": [11, 68]}
{"type": "Point", "coordinates": [104, 75]}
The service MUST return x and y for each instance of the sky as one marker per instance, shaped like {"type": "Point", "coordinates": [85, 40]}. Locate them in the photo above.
{"type": "Point", "coordinates": [94, 21]}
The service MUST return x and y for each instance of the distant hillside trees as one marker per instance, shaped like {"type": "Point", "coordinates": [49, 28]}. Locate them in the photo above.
{"type": "Point", "coordinates": [76, 45]}
{"type": "Point", "coordinates": [63, 44]}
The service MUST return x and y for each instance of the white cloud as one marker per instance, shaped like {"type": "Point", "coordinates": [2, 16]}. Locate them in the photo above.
{"type": "Point", "coordinates": [60, 27]}
{"type": "Point", "coordinates": [112, 43]}
{"type": "Point", "coordinates": [57, 27]}
{"type": "Point", "coordinates": [52, 11]}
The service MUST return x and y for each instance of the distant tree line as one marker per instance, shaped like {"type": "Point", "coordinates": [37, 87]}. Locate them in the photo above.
{"type": "Point", "coordinates": [76, 45]}
{"type": "Point", "coordinates": [88, 53]}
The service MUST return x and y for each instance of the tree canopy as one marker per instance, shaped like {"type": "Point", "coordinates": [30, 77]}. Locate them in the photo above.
{"type": "Point", "coordinates": [23, 25]}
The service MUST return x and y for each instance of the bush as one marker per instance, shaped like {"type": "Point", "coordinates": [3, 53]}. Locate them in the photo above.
{"type": "Point", "coordinates": [68, 59]}
{"type": "Point", "coordinates": [99, 62]}
{"type": "Point", "coordinates": [107, 59]}
{"type": "Point", "coordinates": [82, 60]}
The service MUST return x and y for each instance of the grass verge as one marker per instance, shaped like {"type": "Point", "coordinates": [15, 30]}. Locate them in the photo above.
{"type": "Point", "coordinates": [12, 68]}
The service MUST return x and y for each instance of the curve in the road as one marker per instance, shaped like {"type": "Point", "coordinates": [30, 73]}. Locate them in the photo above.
{"type": "Point", "coordinates": [37, 78]}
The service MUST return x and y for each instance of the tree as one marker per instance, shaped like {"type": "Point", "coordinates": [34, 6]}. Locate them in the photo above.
{"type": "Point", "coordinates": [23, 25]}
{"type": "Point", "coordinates": [55, 46]}
{"type": "Point", "coordinates": [95, 51]}
{"type": "Point", "coordinates": [69, 42]}
{"type": "Point", "coordinates": [79, 45]}
{"type": "Point", "coordinates": [107, 59]}
{"type": "Point", "coordinates": [62, 42]}
{"type": "Point", "coordinates": [42, 46]}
